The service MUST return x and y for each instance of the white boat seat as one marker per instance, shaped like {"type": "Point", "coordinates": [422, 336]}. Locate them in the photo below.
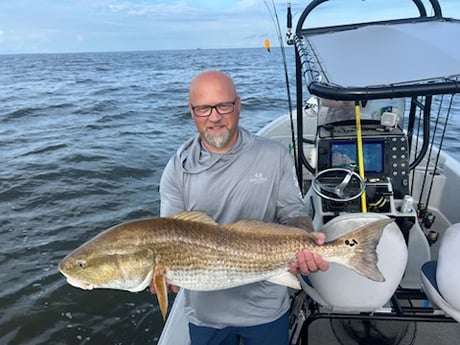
{"type": "Point", "coordinates": [342, 290]}
{"type": "Point", "coordinates": [430, 286]}
{"type": "Point", "coordinates": [441, 278]}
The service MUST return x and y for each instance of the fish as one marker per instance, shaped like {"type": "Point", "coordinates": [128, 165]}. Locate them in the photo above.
{"type": "Point", "coordinates": [192, 251]}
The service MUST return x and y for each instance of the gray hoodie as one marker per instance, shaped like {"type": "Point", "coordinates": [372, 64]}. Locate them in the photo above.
{"type": "Point", "coordinates": [254, 180]}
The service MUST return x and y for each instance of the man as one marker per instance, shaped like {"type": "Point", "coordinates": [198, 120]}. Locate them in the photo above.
{"type": "Point", "coordinates": [231, 174]}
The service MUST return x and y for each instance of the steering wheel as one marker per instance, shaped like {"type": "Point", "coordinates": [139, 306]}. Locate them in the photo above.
{"type": "Point", "coordinates": [337, 193]}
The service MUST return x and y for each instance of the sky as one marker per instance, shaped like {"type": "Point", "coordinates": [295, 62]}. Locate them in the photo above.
{"type": "Point", "coordinates": [59, 26]}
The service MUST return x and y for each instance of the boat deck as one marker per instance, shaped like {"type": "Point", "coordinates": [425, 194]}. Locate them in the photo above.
{"type": "Point", "coordinates": [426, 333]}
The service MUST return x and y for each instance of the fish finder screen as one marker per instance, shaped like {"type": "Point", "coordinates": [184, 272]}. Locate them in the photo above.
{"type": "Point", "coordinates": [343, 155]}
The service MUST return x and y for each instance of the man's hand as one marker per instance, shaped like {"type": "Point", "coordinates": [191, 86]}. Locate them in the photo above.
{"type": "Point", "coordinates": [308, 262]}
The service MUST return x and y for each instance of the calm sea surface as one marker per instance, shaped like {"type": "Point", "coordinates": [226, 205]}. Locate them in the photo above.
{"type": "Point", "coordinates": [83, 141]}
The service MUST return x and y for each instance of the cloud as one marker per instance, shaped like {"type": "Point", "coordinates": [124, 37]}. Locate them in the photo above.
{"type": "Point", "coordinates": [105, 25]}
{"type": "Point", "coordinates": [140, 8]}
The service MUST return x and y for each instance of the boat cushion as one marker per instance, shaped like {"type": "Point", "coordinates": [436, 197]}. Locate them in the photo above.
{"type": "Point", "coordinates": [448, 270]}
{"type": "Point", "coordinates": [429, 283]}
{"type": "Point", "coordinates": [344, 290]}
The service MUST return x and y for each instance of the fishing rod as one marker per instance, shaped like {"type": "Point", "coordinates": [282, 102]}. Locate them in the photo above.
{"type": "Point", "coordinates": [436, 164]}
{"type": "Point", "coordinates": [425, 175]}
{"type": "Point", "coordinates": [274, 16]}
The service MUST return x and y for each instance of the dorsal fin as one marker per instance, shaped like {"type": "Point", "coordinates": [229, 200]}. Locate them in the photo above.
{"type": "Point", "coordinates": [195, 216]}
{"type": "Point", "coordinates": [259, 227]}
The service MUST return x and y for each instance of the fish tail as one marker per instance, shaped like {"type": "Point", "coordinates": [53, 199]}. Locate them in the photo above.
{"type": "Point", "coordinates": [361, 245]}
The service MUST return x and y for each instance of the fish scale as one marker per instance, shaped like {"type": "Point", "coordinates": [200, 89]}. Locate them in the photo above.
{"type": "Point", "coordinates": [190, 250]}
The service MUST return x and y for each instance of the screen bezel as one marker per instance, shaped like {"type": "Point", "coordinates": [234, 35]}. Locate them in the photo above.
{"type": "Point", "coordinates": [370, 146]}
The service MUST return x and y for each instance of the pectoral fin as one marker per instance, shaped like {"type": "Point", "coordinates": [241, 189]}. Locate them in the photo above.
{"type": "Point", "coordinates": [161, 290]}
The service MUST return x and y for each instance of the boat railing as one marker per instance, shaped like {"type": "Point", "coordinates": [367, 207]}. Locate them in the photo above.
{"type": "Point", "coordinates": [420, 6]}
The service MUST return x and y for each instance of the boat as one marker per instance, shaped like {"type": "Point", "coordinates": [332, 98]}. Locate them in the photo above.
{"type": "Point", "coordinates": [372, 107]}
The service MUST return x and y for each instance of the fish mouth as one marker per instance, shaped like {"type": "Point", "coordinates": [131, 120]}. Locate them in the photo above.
{"type": "Point", "coordinates": [79, 284]}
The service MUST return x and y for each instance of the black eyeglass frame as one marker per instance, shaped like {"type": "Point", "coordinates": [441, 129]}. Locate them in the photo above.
{"type": "Point", "coordinates": [209, 108]}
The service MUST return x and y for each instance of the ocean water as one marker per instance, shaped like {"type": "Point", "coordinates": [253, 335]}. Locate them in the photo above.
{"type": "Point", "coordinates": [83, 141]}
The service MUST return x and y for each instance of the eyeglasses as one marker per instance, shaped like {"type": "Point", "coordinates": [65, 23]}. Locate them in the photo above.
{"type": "Point", "coordinates": [206, 110]}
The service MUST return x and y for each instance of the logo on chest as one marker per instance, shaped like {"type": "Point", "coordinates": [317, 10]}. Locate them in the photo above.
{"type": "Point", "coordinates": [258, 178]}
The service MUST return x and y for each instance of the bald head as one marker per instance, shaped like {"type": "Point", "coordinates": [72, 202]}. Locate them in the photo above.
{"type": "Point", "coordinates": [216, 82]}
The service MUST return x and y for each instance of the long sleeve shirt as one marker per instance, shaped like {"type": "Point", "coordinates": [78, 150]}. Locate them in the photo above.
{"type": "Point", "coordinates": [255, 180]}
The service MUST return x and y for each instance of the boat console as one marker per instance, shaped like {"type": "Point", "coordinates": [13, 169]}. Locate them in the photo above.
{"type": "Point", "coordinates": [386, 163]}
{"type": "Point", "coordinates": [384, 175]}
{"type": "Point", "coordinates": [337, 186]}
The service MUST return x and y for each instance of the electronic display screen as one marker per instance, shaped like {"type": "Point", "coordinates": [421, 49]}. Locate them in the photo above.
{"type": "Point", "coordinates": [343, 155]}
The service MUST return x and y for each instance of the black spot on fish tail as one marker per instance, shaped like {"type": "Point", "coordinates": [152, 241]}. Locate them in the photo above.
{"type": "Point", "coordinates": [361, 246]}
{"type": "Point", "coordinates": [351, 243]}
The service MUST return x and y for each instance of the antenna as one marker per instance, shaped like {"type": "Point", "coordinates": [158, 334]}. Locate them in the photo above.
{"type": "Point", "coordinates": [289, 38]}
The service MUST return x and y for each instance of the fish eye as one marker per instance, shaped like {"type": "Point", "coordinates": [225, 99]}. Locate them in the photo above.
{"type": "Point", "coordinates": [81, 263]}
